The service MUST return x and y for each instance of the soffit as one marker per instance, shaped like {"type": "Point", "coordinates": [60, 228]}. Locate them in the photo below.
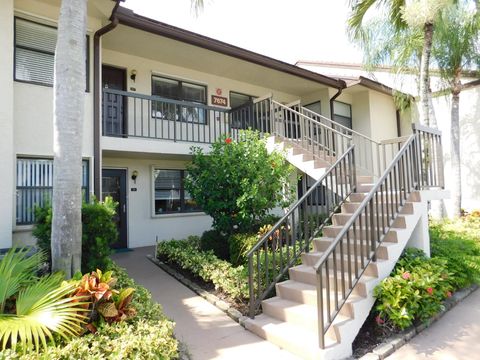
{"type": "Point", "coordinates": [140, 43]}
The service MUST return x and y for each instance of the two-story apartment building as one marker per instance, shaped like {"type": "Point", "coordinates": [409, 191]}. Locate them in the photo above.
{"type": "Point", "coordinates": [152, 91]}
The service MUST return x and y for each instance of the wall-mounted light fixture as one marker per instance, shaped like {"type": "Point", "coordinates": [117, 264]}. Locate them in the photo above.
{"type": "Point", "coordinates": [133, 74]}
{"type": "Point", "coordinates": [134, 176]}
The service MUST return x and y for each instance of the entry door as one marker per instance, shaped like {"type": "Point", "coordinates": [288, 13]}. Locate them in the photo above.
{"type": "Point", "coordinates": [114, 184]}
{"type": "Point", "coordinates": [114, 121]}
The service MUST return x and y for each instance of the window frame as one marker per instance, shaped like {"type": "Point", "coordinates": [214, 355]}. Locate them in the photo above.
{"type": "Point", "coordinates": [15, 46]}
{"type": "Point", "coordinates": [85, 188]}
{"type": "Point", "coordinates": [179, 97]}
{"type": "Point", "coordinates": [343, 117]}
{"type": "Point", "coordinates": [251, 98]}
{"type": "Point", "coordinates": [181, 190]}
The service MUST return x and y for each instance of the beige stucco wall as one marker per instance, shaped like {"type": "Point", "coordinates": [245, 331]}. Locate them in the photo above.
{"type": "Point", "coordinates": [383, 121]}
{"type": "Point", "coordinates": [6, 124]}
{"type": "Point", "coordinates": [361, 113]}
{"type": "Point", "coordinates": [143, 225]}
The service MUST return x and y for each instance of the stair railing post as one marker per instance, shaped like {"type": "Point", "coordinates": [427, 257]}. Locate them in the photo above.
{"type": "Point", "coordinates": [251, 290]}
{"type": "Point", "coordinates": [321, 323]}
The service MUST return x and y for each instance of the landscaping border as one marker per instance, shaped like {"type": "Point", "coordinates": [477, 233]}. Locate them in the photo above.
{"type": "Point", "coordinates": [380, 352]}
{"type": "Point", "coordinates": [392, 344]}
{"type": "Point", "coordinates": [212, 299]}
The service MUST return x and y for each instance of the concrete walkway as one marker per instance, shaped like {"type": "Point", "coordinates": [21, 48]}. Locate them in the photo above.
{"type": "Point", "coordinates": [207, 331]}
{"type": "Point", "coordinates": [456, 336]}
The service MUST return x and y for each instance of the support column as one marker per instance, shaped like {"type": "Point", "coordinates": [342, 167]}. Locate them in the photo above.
{"type": "Point", "coordinates": [7, 154]}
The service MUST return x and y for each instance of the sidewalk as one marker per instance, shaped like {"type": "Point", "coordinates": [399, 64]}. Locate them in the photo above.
{"type": "Point", "coordinates": [456, 336]}
{"type": "Point", "coordinates": [208, 332]}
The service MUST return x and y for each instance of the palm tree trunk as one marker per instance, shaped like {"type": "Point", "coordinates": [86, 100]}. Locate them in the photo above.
{"type": "Point", "coordinates": [424, 74]}
{"type": "Point", "coordinates": [455, 148]}
{"type": "Point", "coordinates": [69, 96]}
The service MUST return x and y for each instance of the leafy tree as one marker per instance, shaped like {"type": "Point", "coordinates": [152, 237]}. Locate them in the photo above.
{"type": "Point", "coordinates": [238, 182]}
{"type": "Point", "coordinates": [457, 48]}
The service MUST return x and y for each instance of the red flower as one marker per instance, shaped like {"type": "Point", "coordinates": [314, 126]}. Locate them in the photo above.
{"type": "Point", "coordinates": [406, 275]}
{"type": "Point", "coordinates": [228, 140]}
{"type": "Point", "coordinates": [449, 294]}
{"type": "Point", "coordinates": [379, 320]}
{"type": "Point", "coordinates": [430, 291]}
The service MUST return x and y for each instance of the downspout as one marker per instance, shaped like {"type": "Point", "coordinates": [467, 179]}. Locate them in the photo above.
{"type": "Point", "coordinates": [339, 92]}
{"type": "Point", "coordinates": [399, 124]}
{"type": "Point", "coordinates": [331, 113]}
{"type": "Point", "coordinates": [97, 94]}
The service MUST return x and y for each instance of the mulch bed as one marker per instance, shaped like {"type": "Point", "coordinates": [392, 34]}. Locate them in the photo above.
{"type": "Point", "coordinates": [208, 286]}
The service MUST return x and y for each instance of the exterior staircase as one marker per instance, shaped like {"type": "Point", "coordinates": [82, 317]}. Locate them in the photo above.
{"type": "Point", "coordinates": [289, 319]}
{"type": "Point", "coordinates": [311, 277]}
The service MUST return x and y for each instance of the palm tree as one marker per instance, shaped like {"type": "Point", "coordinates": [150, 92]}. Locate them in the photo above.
{"type": "Point", "coordinates": [457, 48]}
{"type": "Point", "coordinates": [401, 15]}
{"type": "Point", "coordinates": [69, 95]}
{"type": "Point", "coordinates": [33, 309]}
{"type": "Point", "coordinates": [69, 87]}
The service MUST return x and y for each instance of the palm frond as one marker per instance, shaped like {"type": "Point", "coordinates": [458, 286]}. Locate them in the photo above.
{"type": "Point", "coordinates": [43, 311]}
{"type": "Point", "coordinates": [16, 270]}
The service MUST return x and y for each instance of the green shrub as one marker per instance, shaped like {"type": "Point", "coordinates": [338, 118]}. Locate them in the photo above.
{"type": "Point", "coordinates": [414, 291]}
{"type": "Point", "coordinates": [204, 264]}
{"type": "Point", "coordinates": [240, 245]}
{"type": "Point", "coordinates": [98, 232]}
{"type": "Point", "coordinates": [147, 336]}
{"type": "Point", "coordinates": [238, 182]}
{"type": "Point", "coordinates": [452, 242]}
{"type": "Point", "coordinates": [213, 240]}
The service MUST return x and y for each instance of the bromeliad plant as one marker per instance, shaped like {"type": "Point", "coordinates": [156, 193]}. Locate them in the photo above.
{"type": "Point", "coordinates": [35, 309]}
{"type": "Point", "coordinates": [106, 304]}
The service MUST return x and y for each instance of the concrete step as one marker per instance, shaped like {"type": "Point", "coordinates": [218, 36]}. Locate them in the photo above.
{"type": "Point", "coordinates": [311, 258]}
{"type": "Point", "coordinates": [358, 196]}
{"type": "Point", "coordinates": [350, 207]}
{"type": "Point", "coordinates": [306, 274]}
{"type": "Point", "coordinates": [295, 339]}
{"type": "Point", "coordinates": [303, 293]}
{"type": "Point", "coordinates": [364, 220]}
{"type": "Point", "coordinates": [333, 230]}
{"type": "Point", "coordinates": [299, 314]}
{"type": "Point", "coordinates": [355, 247]}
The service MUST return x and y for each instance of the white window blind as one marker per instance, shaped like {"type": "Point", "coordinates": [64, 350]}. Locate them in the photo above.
{"type": "Point", "coordinates": [35, 52]}
{"type": "Point", "coordinates": [35, 185]}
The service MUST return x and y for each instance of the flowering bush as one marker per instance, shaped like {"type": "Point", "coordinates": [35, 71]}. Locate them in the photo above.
{"type": "Point", "coordinates": [415, 290]}
{"type": "Point", "coordinates": [238, 181]}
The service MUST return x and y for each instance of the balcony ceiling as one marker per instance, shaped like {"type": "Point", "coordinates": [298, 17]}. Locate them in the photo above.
{"type": "Point", "coordinates": [140, 43]}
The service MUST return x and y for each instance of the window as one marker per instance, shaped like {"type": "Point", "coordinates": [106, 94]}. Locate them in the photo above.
{"type": "Point", "coordinates": [170, 195]}
{"type": "Point", "coordinates": [35, 52]}
{"type": "Point", "coordinates": [242, 112]}
{"type": "Point", "coordinates": [35, 184]}
{"type": "Point", "coordinates": [181, 91]}
{"type": "Point", "coordinates": [342, 113]}
{"type": "Point", "coordinates": [237, 99]}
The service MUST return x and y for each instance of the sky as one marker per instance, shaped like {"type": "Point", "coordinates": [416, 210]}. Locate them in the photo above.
{"type": "Point", "coordinates": [287, 30]}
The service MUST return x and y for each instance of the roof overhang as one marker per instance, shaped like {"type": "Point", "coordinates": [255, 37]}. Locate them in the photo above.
{"type": "Point", "coordinates": [128, 18]}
